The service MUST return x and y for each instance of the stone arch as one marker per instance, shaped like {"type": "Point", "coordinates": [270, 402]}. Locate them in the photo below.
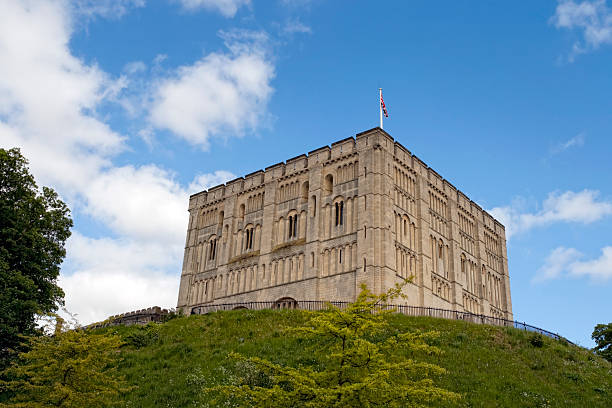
{"type": "Point", "coordinates": [305, 189]}
{"type": "Point", "coordinates": [286, 303]}
{"type": "Point", "coordinates": [328, 183]}
{"type": "Point", "coordinates": [313, 205]}
{"type": "Point", "coordinates": [240, 307]}
{"type": "Point", "coordinates": [257, 237]}
{"type": "Point", "coordinates": [339, 211]}
{"type": "Point", "coordinates": [292, 224]}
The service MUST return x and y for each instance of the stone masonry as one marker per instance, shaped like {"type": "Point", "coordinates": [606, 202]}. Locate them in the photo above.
{"type": "Point", "coordinates": [364, 210]}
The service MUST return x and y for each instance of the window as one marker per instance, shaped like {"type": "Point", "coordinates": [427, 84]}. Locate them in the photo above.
{"type": "Point", "coordinates": [340, 256]}
{"type": "Point", "coordinates": [248, 242]}
{"type": "Point", "coordinates": [293, 226]}
{"type": "Point", "coordinates": [328, 184]}
{"type": "Point", "coordinates": [339, 213]}
{"type": "Point", "coordinates": [213, 249]}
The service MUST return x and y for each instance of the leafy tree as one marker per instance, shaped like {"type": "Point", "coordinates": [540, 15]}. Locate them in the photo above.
{"type": "Point", "coordinates": [72, 368]}
{"type": "Point", "coordinates": [33, 229]}
{"type": "Point", "coordinates": [366, 365]}
{"type": "Point", "coordinates": [603, 338]}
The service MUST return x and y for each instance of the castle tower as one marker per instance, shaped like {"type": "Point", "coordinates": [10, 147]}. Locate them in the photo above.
{"type": "Point", "coordinates": [315, 227]}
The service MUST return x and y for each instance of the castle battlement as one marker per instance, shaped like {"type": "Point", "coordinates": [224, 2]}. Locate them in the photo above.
{"type": "Point", "coordinates": [316, 226]}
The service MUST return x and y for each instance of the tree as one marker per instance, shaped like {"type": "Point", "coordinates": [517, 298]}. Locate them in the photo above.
{"type": "Point", "coordinates": [602, 334]}
{"type": "Point", "coordinates": [367, 366]}
{"type": "Point", "coordinates": [34, 227]}
{"type": "Point", "coordinates": [72, 368]}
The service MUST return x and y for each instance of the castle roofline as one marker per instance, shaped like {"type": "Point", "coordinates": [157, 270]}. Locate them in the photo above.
{"type": "Point", "coordinates": [328, 148]}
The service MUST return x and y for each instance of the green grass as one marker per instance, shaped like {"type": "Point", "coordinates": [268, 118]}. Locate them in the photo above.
{"type": "Point", "coordinates": [490, 366]}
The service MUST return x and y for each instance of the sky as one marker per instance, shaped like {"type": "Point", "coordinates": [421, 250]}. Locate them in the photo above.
{"type": "Point", "coordinates": [126, 107]}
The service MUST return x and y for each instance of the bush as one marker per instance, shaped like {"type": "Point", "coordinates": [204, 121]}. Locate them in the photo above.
{"type": "Point", "coordinates": [537, 340]}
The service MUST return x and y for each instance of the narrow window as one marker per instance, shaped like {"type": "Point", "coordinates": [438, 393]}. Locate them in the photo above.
{"type": "Point", "coordinates": [290, 226]}
{"type": "Point", "coordinates": [341, 211]}
{"type": "Point", "coordinates": [340, 256]}
{"type": "Point", "coordinates": [295, 226]}
{"type": "Point", "coordinates": [337, 213]}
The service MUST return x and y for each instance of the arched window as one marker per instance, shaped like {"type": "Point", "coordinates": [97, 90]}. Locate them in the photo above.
{"type": "Point", "coordinates": [293, 226]}
{"type": "Point", "coordinates": [241, 212]}
{"type": "Point", "coordinates": [313, 205]}
{"type": "Point", "coordinates": [328, 184]}
{"type": "Point", "coordinates": [213, 249]}
{"type": "Point", "coordinates": [339, 213]}
{"type": "Point", "coordinates": [305, 187]}
{"type": "Point", "coordinates": [248, 242]}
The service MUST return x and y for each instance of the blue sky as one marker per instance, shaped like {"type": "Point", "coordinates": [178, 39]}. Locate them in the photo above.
{"type": "Point", "coordinates": [126, 107]}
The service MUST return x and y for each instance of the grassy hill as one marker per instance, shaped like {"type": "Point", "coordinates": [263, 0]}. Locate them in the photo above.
{"type": "Point", "coordinates": [490, 366]}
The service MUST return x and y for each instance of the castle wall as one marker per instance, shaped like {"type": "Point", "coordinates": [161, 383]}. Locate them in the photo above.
{"type": "Point", "coordinates": [364, 210]}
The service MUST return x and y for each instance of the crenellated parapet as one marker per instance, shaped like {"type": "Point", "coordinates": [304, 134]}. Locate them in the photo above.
{"type": "Point", "coordinates": [363, 210]}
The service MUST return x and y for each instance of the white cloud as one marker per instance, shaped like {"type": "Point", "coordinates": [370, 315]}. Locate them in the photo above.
{"type": "Point", "coordinates": [48, 108]}
{"type": "Point", "coordinates": [581, 207]}
{"type": "Point", "coordinates": [221, 93]}
{"type": "Point", "coordinates": [112, 276]}
{"type": "Point", "coordinates": [566, 262]}
{"type": "Point", "coordinates": [104, 8]}
{"type": "Point", "coordinates": [556, 263]}
{"type": "Point", "coordinates": [296, 26]}
{"type": "Point", "coordinates": [226, 7]}
{"type": "Point", "coordinates": [593, 18]}
{"type": "Point", "coordinates": [206, 181]}
{"type": "Point", "coordinates": [575, 141]}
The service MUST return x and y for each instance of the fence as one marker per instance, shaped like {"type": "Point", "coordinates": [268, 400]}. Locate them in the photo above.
{"type": "Point", "coordinates": [314, 305]}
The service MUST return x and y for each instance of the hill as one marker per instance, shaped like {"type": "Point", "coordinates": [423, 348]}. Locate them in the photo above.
{"type": "Point", "coordinates": [490, 366]}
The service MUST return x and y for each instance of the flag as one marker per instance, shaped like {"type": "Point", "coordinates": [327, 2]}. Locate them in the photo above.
{"type": "Point", "coordinates": [382, 105]}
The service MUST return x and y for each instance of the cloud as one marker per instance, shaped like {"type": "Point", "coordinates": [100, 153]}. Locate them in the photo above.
{"type": "Point", "coordinates": [228, 8]}
{"type": "Point", "coordinates": [206, 181]}
{"type": "Point", "coordinates": [575, 141]}
{"type": "Point", "coordinates": [296, 26]}
{"type": "Point", "coordinates": [49, 101]}
{"type": "Point", "coordinates": [222, 93]}
{"type": "Point", "coordinates": [112, 276]}
{"type": "Point", "coordinates": [593, 18]}
{"type": "Point", "coordinates": [103, 8]}
{"type": "Point", "coordinates": [566, 262]}
{"type": "Point", "coordinates": [581, 207]}
{"type": "Point", "coordinates": [556, 263]}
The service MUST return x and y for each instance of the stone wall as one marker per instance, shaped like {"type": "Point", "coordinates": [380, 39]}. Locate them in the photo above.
{"type": "Point", "coordinates": [142, 316]}
{"type": "Point", "coordinates": [364, 210]}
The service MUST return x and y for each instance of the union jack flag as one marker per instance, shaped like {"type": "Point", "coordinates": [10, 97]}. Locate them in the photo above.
{"type": "Point", "coordinates": [382, 105]}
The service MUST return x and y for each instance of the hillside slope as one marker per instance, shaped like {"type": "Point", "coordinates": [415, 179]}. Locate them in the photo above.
{"type": "Point", "coordinates": [490, 366]}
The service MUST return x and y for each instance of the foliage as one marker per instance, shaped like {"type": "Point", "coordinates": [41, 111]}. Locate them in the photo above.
{"type": "Point", "coordinates": [490, 366]}
{"type": "Point", "coordinates": [537, 340]}
{"type": "Point", "coordinates": [364, 368]}
{"type": "Point", "coordinates": [73, 368]}
{"type": "Point", "coordinates": [602, 334]}
{"type": "Point", "coordinates": [34, 227]}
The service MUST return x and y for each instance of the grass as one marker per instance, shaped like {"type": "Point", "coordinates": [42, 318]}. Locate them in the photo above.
{"type": "Point", "coordinates": [490, 366]}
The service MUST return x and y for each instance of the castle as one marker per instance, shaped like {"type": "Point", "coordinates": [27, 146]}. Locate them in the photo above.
{"type": "Point", "coordinates": [364, 210]}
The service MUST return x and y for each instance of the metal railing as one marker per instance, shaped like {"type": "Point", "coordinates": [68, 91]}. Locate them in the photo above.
{"type": "Point", "coordinates": [316, 305]}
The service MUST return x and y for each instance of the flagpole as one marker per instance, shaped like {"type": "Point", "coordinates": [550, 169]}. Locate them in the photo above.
{"type": "Point", "coordinates": [380, 105]}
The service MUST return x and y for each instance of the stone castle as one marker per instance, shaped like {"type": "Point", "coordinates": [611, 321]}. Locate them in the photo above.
{"type": "Point", "coordinates": [315, 227]}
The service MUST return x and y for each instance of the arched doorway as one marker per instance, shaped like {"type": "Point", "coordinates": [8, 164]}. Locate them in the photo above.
{"type": "Point", "coordinates": [286, 303]}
